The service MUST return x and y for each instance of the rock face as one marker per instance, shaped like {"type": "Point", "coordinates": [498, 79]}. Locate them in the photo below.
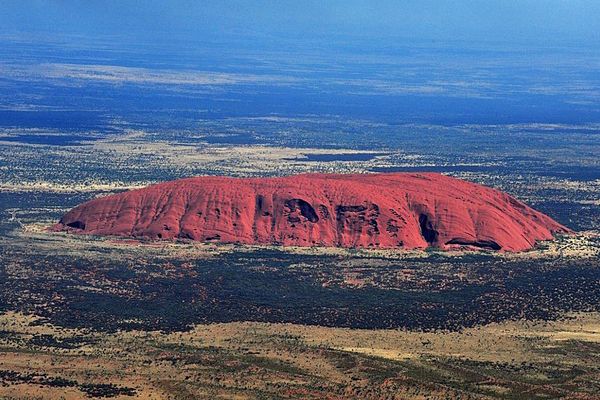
{"type": "Point", "coordinates": [398, 210]}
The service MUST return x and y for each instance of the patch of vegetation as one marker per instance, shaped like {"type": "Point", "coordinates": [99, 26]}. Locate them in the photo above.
{"type": "Point", "coordinates": [8, 377]}
{"type": "Point", "coordinates": [61, 343]}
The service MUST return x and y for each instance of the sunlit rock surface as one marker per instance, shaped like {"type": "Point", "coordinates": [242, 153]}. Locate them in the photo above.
{"type": "Point", "coordinates": [396, 210]}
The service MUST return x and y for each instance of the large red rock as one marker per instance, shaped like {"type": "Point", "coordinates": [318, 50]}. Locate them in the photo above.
{"type": "Point", "coordinates": [407, 210]}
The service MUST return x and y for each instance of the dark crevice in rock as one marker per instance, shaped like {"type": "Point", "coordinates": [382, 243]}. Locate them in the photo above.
{"type": "Point", "coordinates": [323, 211]}
{"type": "Point", "coordinates": [306, 210]}
{"type": "Point", "coordinates": [350, 209]}
{"type": "Point", "coordinates": [427, 230]}
{"type": "Point", "coordinates": [483, 244]}
{"type": "Point", "coordinates": [261, 206]}
{"type": "Point", "coordinates": [373, 227]}
{"type": "Point", "coordinates": [392, 227]}
{"type": "Point", "coordinates": [76, 225]}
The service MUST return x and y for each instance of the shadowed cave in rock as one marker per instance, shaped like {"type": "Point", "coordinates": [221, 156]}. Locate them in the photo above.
{"type": "Point", "coordinates": [427, 231]}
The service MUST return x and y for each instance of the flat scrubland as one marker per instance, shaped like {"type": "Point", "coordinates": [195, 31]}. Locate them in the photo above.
{"type": "Point", "coordinates": [89, 317]}
{"type": "Point", "coordinates": [115, 318]}
{"type": "Point", "coordinates": [248, 360]}
{"type": "Point", "coordinates": [113, 283]}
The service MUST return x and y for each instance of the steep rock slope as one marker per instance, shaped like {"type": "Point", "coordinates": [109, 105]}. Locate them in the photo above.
{"type": "Point", "coordinates": [407, 210]}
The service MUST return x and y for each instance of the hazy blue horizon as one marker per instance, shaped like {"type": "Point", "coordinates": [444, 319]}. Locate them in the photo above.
{"type": "Point", "coordinates": [425, 62]}
{"type": "Point", "coordinates": [525, 22]}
